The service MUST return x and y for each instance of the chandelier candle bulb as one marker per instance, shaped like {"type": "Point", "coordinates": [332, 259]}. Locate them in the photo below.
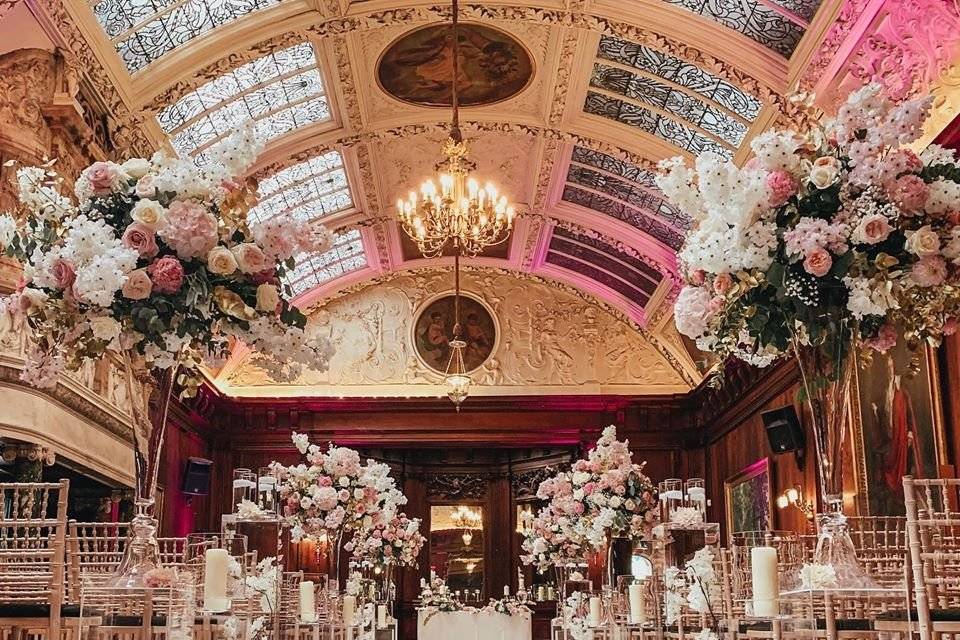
{"type": "Point", "coordinates": [308, 605]}
{"type": "Point", "coordinates": [766, 586]}
{"type": "Point", "coordinates": [638, 614]}
{"type": "Point", "coordinates": [215, 571]}
{"type": "Point", "coordinates": [349, 610]}
{"type": "Point", "coordinates": [594, 618]}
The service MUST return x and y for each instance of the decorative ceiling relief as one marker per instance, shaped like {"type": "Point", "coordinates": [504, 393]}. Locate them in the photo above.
{"type": "Point", "coordinates": [550, 340]}
{"type": "Point", "coordinates": [417, 67]}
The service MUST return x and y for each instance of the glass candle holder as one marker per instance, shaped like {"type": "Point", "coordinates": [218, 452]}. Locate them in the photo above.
{"type": "Point", "coordinates": [218, 562]}
{"type": "Point", "coordinates": [244, 486]}
{"type": "Point", "coordinates": [671, 497]}
{"type": "Point", "coordinates": [696, 494]}
{"type": "Point", "coordinates": [267, 497]}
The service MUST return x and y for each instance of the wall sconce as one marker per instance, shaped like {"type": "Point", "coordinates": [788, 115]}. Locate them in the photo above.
{"type": "Point", "coordinates": [794, 497]}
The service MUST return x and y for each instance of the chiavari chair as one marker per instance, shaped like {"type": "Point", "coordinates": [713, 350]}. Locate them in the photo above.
{"type": "Point", "coordinates": [933, 534]}
{"type": "Point", "coordinates": [33, 524]}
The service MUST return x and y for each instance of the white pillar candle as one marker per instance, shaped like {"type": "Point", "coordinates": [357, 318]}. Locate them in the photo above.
{"type": "Point", "coordinates": [381, 616]}
{"type": "Point", "coordinates": [215, 580]}
{"type": "Point", "coordinates": [423, 583]}
{"type": "Point", "coordinates": [349, 610]}
{"type": "Point", "coordinates": [308, 604]}
{"type": "Point", "coordinates": [506, 590]}
{"type": "Point", "coordinates": [638, 614]}
{"type": "Point", "coordinates": [594, 619]}
{"type": "Point", "coordinates": [766, 586]}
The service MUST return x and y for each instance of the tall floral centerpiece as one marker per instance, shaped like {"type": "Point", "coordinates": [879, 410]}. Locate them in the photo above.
{"type": "Point", "coordinates": [619, 500]}
{"type": "Point", "coordinates": [385, 544]}
{"type": "Point", "coordinates": [830, 242]}
{"type": "Point", "coordinates": [152, 263]}
{"type": "Point", "coordinates": [335, 495]}
{"type": "Point", "coordinates": [553, 537]}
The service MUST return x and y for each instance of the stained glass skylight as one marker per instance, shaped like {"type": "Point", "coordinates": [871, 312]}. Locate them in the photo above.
{"type": "Point", "coordinates": [310, 190]}
{"type": "Point", "coordinates": [346, 256]}
{"type": "Point", "coordinates": [280, 92]}
{"type": "Point", "coordinates": [144, 30]}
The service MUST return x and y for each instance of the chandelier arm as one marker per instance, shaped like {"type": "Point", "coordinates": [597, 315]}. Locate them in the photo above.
{"type": "Point", "coordinates": [454, 97]}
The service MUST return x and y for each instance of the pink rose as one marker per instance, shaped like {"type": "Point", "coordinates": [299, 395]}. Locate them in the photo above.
{"type": "Point", "coordinates": [268, 276]}
{"type": "Point", "coordinates": [885, 339]}
{"type": "Point", "coordinates": [929, 271]}
{"type": "Point", "coordinates": [167, 274]}
{"type": "Point", "coordinates": [781, 185]}
{"type": "Point", "coordinates": [910, 193]}
{"type": "Point", "coordinates": [578, 508]}
{"type": "Point", "coordinates": [104, 177]}
{"type": "Point", "coordinates": [63, 273]}
{"type": "Point", "coordinates": [722, 283]}
{"type": "Point", "coordinates": [872, 229]}
{"type": "Point", "coordinates": [189, 229]}
{"type": "Point", "coordinates": [950, 327]}
{"type": "Point", "coordinates": [138, 285]}
{"type": "Point", "coordinates": [818, 262]}
{"type": "Point", "coordinates": [698, 277]}
{"type": "Point", "coordinates": [250, 258]}
{"type": "Point", "coordinates": [141, 238]}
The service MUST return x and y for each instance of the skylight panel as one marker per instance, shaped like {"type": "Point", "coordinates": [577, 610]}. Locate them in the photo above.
{"type": "Point", "coordinates": [313, 189]}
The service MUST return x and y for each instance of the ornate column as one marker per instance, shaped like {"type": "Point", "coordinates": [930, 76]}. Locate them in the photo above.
{"type": "Point", "coordinates": [44, 114]}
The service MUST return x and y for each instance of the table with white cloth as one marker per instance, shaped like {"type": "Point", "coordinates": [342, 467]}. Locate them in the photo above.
{"type": "Point", "coordinates": [472, 625]}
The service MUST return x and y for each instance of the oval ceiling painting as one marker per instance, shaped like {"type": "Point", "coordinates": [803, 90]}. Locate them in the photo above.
{"type": "Point", "coordinates": [433, 331]}
{"type": "Point", "coordinates": [417, 68]}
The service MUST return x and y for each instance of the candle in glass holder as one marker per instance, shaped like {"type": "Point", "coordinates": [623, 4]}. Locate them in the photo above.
{"type": "Point", "coordinates": [215, 572]}
{"type": "Point", "coordinates": [594, 619]}
{"type": "Point", "coordinates": [349, 610]}
{"type": "Point", "coordinates": [381, 616]}
{"type": "Point", "coordinates": [638, 613]}
{"type": "Point", "coordinates": [308, 603]}
{"type": "Point", "coordinates": [766, 583]}
{"type": "Point", "coordinates": [506, 591]}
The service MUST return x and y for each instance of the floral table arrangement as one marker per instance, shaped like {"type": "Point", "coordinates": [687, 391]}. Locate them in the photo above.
{"type": "Point", "coordinates": [333, 494]}
{"type": "Point", "coordinates": [507, 607]}
{"type": "Point", "coordinates": [552, 537]}
{"type": "Point", "coordinates": [830, 242]}
{"type": "Point", "coordinates": [152, 263]}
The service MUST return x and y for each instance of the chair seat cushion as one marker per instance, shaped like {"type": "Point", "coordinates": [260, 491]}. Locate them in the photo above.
{"type": "Point", "coordinates": [936, 615]}
{"type": "Point", "coordinates": [843, 624]}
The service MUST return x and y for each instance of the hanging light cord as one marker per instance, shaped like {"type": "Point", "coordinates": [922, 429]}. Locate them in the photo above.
{"type": "Point", "coordinates": [455, 127]}
{"type": "Point", "coordinates": [456, 296]}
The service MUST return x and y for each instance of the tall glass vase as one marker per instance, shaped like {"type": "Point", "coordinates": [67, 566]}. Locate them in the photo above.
{"type": "Point", "coordinates": [150, 395]}
{"type": "Point", "coordinates": [619, 558]}
{"type": "Point", "coordinates": [826, 372]}
{"type": "Point", "coordinates": [334, 546]}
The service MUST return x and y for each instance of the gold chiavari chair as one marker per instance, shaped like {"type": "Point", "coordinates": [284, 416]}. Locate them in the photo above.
{"type": "Point", "coordinates": [933, 534]}
{"type": "Point", "coordinates": [94, 550]}
{"type": "Point", "coordinates": [33, 524]}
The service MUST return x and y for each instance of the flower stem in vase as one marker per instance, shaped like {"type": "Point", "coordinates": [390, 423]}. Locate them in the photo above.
{"type": "Point", "coordinates": [826, 371]}
{"type": "Point", "coordinates": [150, 395]}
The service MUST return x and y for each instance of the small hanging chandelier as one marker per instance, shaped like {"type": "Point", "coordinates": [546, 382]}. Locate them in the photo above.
{"type": "Point", "coordinates": [457, 210]}
{"type": "Point", "coordinates": [455, 376]}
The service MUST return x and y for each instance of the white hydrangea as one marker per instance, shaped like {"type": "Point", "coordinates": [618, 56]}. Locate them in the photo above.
{"type": "Point", "coordinates": [868, 298]}
{"type": "Point", "coordinates": [691, 311]}
{"type": "Point", "coordinates": [777, 150]}
{"type": "Point", "coordinates": [934, 154]}
{"type": "Point", "coordinates": [944, 196]}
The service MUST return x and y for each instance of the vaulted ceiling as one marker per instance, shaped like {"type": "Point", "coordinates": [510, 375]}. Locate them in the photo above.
{"type": "Point", "coordinates": [613, 87]}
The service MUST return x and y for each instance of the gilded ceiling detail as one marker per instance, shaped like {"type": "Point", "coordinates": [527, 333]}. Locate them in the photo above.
{"type": "Point", "coordinates": [550, 338]}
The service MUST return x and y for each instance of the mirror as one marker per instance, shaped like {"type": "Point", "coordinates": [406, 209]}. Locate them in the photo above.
{"type": "Point", "coordinates": [456, 548]}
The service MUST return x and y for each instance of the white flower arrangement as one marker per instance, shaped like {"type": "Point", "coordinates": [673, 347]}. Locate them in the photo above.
{"type": "Point", "coordinates": [686, 517]}
{"type": "Point", "coordinates": [818, 576]}
{"type": "Point", "coordinates": [507, 607]}
{"type": "Point", "coordinates": [249, 510]}
{"type": "Point", "coordinates": [574, 618]}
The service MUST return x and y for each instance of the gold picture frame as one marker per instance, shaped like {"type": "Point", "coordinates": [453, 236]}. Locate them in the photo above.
{"type": "Point", "coordinates": [882, 389]}
{"type": "Point", "coordinates": [748, 499]}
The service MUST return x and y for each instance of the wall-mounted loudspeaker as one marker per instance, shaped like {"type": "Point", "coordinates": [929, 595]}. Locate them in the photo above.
{"type": "Point", "coordinates": [196, 476]}
{"type": "Point", "coordinates": [784, 430]}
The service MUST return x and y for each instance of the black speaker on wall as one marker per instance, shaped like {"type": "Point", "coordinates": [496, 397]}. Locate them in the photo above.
{"type": "Point", "coordinates": [784, 431]}
{"type": "Point", "coordinates": [196, 476]}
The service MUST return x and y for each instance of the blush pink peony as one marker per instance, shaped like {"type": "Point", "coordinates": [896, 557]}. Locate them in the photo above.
{"type": "Point", "coordinates": [781, 185]}
{"type": "Point", "coordinates": [885, 339]}
{"type": "Point", "coordinates": [166, 274]}
{"type": "Point", "coordinates": [929, 271]}
{"type": "Point", "coordinates": [189, 229]}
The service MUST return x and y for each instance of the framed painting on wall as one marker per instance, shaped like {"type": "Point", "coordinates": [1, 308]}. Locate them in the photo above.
{"type": "Point", "coordinates": [901, 417]}
{"type": "Point", "coordinates": [749, 499]}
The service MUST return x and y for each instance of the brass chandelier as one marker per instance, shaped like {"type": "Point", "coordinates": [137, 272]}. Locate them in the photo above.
{"type": "Point", "coordinates": [454, 208]}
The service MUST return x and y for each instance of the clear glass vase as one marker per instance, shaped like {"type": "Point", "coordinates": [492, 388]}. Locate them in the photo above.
{"type": "Point", "coordinates": [150, 393]}
{"type": "Point", "coordinates": [619, 558]}
{"type": "Point", "coordinates": [826, 371]}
